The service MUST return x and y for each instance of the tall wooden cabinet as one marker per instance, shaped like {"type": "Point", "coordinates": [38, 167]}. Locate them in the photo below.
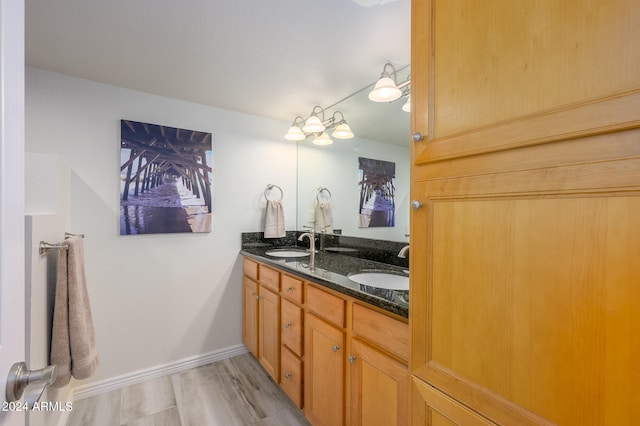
{"type": "Point", "coordinates": [525, 280]}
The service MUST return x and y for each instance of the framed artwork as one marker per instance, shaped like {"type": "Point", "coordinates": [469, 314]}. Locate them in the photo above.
{"type": "Point", "coordinates": [376, 180]}
{"type": "Point", "coordinates": [165, 179]}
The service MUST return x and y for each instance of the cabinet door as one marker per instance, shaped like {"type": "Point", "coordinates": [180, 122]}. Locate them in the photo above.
{"type": "Point", "coordinates": [323, 372]}
{"type": "Point", "coordinates": [269, 332]}
{"type": "Point", "coordinates": [250, 315]}
{"type": "Point", "coordinates": [379, 393]}
{"type": "Point", "coordinates": [524, 262]}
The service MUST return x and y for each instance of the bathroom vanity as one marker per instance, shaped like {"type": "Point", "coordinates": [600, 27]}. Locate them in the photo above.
{"type": "Point", "coordinates": [339, 349]}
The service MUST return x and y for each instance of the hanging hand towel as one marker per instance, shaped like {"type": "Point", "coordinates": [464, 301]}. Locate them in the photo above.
{"type": "Point", "coordinates": [73, 346]}
{"type": "Point", "coordinates": [323, 217]}
{"type": "Point", "coordinates": [274, 220]}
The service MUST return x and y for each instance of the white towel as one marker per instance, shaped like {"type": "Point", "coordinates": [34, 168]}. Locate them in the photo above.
{"type": "Point", "coordinates": [274, 220]}
{"type": "Point", "coordinates": [323, 217]}
{"type": "Point", "coordinates": [73, 345]}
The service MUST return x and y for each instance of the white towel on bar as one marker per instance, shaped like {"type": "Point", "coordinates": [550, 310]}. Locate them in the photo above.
{"type": "Point", "coordinates": [73, 343]}
{"type": "Point", "coordinates": [323, 217]}
{"type": "Point", "coordinates": [274, 220]}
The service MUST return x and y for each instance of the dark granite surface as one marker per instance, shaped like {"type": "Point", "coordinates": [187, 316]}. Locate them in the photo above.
{"type": "Point", "coordinates": [332, 269]}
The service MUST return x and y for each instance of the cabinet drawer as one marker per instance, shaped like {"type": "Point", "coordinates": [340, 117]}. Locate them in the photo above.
{"type": "Point", "coordinates": [326, 305]}
{"type": "Point", "coordinates": [270, 278]}
{"type": "Point", "coordinates": [388, 333]}
{"type": "Point", "coordinates": [292, 288]}
{"type": "Point", "coordinates": [250, 268]}
{"type": "Point", "coordinates": [291, 330]}
{"type": "Point", "coordinates": [291, 376]}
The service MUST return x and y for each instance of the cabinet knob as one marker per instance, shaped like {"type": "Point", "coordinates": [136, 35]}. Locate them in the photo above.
{"type": "Point", "coordinates": [351, 359]}
{"type": "Point", "coordinates": [417, 137]}
{"type": "Point", "coordinates": [415, 204]}
{"type": "Point", "coordinates": [287, 325]}
{"type": "Point", "coordinates": [287, 375]}
{"type": "Point", "coordinates": [335, 348]}
{"type": "Point", "coordinates": [288, 289]}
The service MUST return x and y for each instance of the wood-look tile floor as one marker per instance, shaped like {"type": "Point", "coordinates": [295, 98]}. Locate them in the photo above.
{"type": "Point", "coordinates": [235, 391]}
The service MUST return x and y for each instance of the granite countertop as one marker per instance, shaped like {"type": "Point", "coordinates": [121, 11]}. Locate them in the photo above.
{"type": "Point", "coordinates": [331, 271]}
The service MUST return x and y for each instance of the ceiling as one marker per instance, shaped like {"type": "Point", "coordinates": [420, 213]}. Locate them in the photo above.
{"type": "Point", "coordinates": [271, 58]}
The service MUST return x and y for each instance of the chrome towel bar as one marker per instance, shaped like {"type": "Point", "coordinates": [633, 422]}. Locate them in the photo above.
{"type": "Point", "coordinates": [46, 247]}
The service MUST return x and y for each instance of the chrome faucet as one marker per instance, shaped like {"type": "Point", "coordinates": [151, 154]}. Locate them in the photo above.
{"type": "Point", "coordinates": [312, 247]}
{"type": "Point", "coordinates": [404, 251]}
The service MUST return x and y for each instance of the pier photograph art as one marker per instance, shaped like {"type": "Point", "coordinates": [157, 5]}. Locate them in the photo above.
{"type": "Point", "coordinates": [376, 181]}
{"type": "Point", "coordinates": [165, 179]}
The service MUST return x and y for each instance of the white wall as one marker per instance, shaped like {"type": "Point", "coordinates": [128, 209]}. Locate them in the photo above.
{"type": "Point", "coordinates": [157, 299]}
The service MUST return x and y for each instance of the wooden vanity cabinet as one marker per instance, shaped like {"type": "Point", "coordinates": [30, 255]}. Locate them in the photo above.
{"type": "Point", "coordinates": [338, 359]}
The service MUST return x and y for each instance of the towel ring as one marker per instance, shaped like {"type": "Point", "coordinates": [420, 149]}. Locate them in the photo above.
{"type": "Point", "coordinates": [269, 188]}
{"type": "Point", "coordinates": [320, 191]}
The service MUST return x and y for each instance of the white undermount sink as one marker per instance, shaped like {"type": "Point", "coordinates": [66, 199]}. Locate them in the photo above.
{"type": "Point", "coordinates": [381, 279]}
{"type": "Point", "coordinates": [287, 253]}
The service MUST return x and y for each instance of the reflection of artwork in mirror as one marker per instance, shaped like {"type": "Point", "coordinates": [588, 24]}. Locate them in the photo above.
{"type": "Point", "coordinates": [377, 190]}
{"type": "Point", "coordinates": [165, 179]}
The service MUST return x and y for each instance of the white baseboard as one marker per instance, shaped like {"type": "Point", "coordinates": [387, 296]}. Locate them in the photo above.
{"type": "Point", "coordinates": [140, 376]}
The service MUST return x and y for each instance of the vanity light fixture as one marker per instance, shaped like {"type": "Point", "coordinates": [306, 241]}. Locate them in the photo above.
{"type": "Point", "coordinates": [295, 132]}
{"type": "Point", "coordinates": [313, 123]}
{"type": "Point", "coordinates": [318, 127]}
{"type": "Point", "coordinates": [322, 139]}
{"type": "Point", "coordinates": [342, 129]}
{"type": "Point", "coordinates": [386, 88]}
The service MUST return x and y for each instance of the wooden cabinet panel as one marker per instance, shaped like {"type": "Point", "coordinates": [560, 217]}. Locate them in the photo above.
{"type": "Point", "coordinates": [269, 332]}
{"type": "Point", "coordinates": [291, 375]}
{"type": "Point", "coordinates": [326, 305]}
{"type": "Point", "coordinates": [250, 315]}
{"type": "Point", "coordinates": [292, 326]}
{"type": "Point", "coordinates": [485, 50]}
{"type": "Point", "coordinates": [323, 372]}
{"type": "Point", "coordinates": [250, 268]}
{"type": "Point", "coordinates": [292, 289]}
{"type": "Point", "coordinates": [433, 408]}
{"type": "Point", "coordinates": [390, 334]}
{"type": "Point", "coordinates": [524, 271]}
{"type": "Point", "coordinates": [269, 278]}
{"type": "Point", "coordinates": [379, 391]}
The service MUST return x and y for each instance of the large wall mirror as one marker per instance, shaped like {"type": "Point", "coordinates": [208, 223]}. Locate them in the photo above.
{"type": "Point", "coordinates": [331, 172]}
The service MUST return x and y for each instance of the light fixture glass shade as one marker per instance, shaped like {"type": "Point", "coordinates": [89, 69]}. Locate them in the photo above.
{"type": "Point", "coordinates": [313, 125]}
{"type": "Point", "coordinates": [385, 90]}
{"type": "Point", "coordinates": [407, 105]}
{"type": "Point", "coordinates": [294, 134]}
{"type": "Point", "coordinates": [323, 139]}
{"type": "Point", "coordinates": [342, 131]}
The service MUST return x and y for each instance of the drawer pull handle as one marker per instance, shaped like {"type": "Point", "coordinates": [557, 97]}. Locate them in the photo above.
{"type": "Point", "coordinates": [288, 289]}
{"type": "Point", "coordinates": [335, 348]}
{"type": "Point", "coordinates": [351, 359]}
{"type": "Point", "coordinates": [287, 325]}
{"type": "Point", "coordinates": [287, 375]}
